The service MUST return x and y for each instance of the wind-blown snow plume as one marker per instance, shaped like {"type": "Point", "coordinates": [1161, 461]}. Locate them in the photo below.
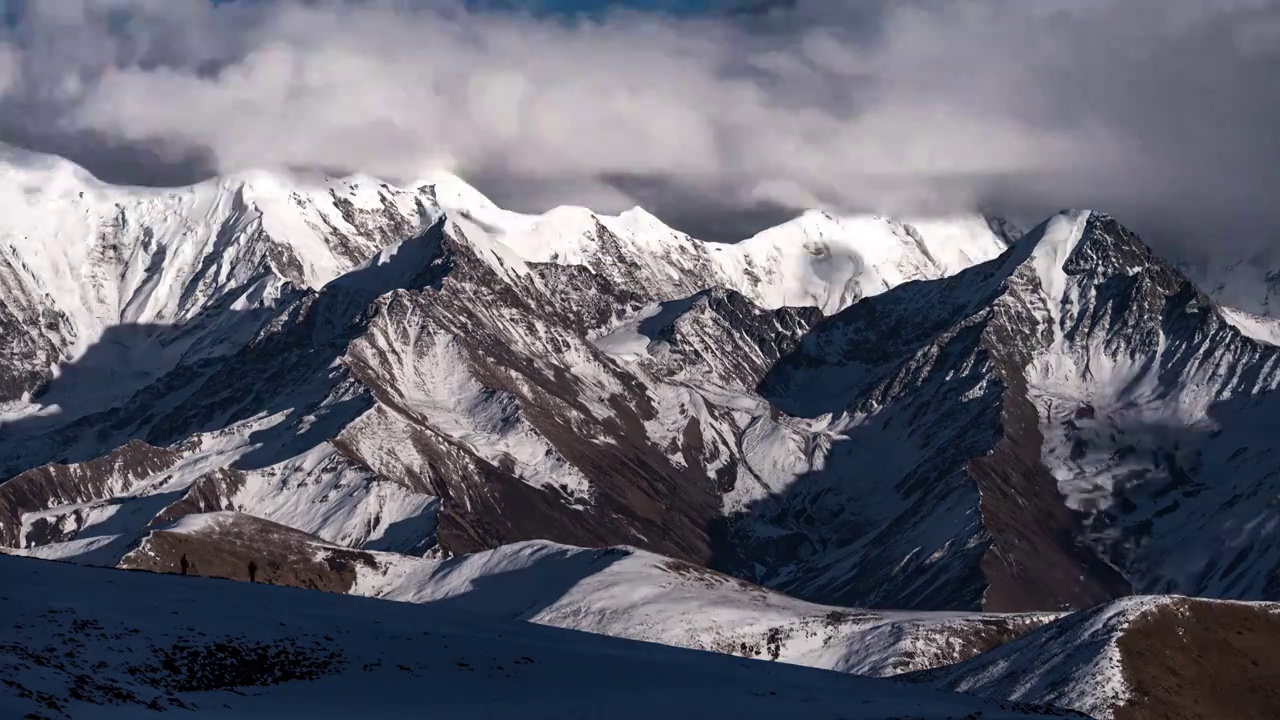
{"type": "Point", "coordinates": [902, 107]}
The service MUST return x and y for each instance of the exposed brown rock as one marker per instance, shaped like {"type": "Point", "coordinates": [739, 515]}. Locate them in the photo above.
{"type": "Point", "coordinates": [1034, 561]}
{"type": "Point", "coordinates": [1196, 659]}
{"type": "Point", "coordinates": [638, 494]}
{"type": "Point", "coordinates": [947, 643]}
{"type": "Point", "coordinates": [1143, 658]}
{"type": "Point", "coordinates": [210, 492]}
{"type": "Point", "coordinates": [226, 545]}
{"type": "Point", "coordinates": [54, 484]}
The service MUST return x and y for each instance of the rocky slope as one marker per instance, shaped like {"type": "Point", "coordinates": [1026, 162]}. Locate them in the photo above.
{"type": "Point", "coordinates": [317, 382]}
{"type": "Point", "coordinates": [1066, 421]}
{"type": "Point", "coordinates": [1137, 658]}
{"type": "Point", "coordinates": [125, 284]}
{"type": "Point", "coordinates": [407, 402]}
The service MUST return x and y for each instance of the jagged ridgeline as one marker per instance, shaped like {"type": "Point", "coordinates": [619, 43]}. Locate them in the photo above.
{"type": "Point", "coordinates": [411, 394]}
{"type": "Point", "coordinates": [861, 411]}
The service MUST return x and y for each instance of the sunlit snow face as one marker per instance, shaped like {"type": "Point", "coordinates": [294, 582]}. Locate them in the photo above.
{"type": "Point", "coordinates": [897, 107]}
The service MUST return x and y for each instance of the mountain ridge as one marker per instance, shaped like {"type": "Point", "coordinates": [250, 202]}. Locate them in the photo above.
{"type": "Point", "coordinates": [952, 447]}
{"type": "Point", "coordinates": [623, 384]}
{"type": "Point", "coordinates": [139, 643]}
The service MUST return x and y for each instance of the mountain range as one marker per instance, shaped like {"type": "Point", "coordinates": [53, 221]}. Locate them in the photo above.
{"type": "Point", "coordinates": [941, 448]}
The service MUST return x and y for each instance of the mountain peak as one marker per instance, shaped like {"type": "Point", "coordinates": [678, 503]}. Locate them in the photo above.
{"type": "Point", "coordinates": [16, 161]}
{"type": "Point", "coordinates": [1109, 248]}
{"type": "Point", "coordinates": [1057, 235]}
{"type": "Point", "coordinates": [1082, 242]}
{"type": "Point", "coordinates": [1049, 246]}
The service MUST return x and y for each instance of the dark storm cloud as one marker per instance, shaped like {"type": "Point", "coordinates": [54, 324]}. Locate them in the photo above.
{"type": "Point", "coordinates": [1160, 111]}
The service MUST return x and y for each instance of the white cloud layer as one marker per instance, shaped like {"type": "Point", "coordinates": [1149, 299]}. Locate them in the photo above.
{"type": "Point", "coordinates": [1161, 111]}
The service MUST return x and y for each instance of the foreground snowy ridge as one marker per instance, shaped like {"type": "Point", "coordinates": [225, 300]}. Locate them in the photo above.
{"type": "Point", "coordinates": [621, 592]}
{"type": "Point", "coordinates": [84, 643]}
{"type": "Point", "coordinates": [1144, 655]}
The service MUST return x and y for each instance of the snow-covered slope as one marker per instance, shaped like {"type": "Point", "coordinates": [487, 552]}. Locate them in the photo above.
{"type": "Point", "coordinates": [298, 375]}
{"type": "Point", "coordinates": [817, 259]}
{"type": "Point", "coordinates": [621, 592]}
{"type": "Point", "coordinates": [87, 643]}
{"type": "Point", "coordinates": [624, 592]}
{"type": "Point", "coordinates": [838, 261]}
{"type": "Point", "coordinates": [91, 512]}
{"type": "Point", "coordinates": [1259, 327]}
{"type": "Point", "coordinates": [1146, 654]}
{"type": "Point", "coordinates": [1048, 429]}
{"type": "Point", "coordinates": [133, 281]}
{"type": "Point", "coordinates": [1074, 663]}
{"type": "Point", "coordinates": [395, 369]}
{"type": "Point", "coordinates": [1250, 283]}
{"type": "Point", "coordinates": [1054, 428]}
{"type": "Point", "coordinates": [1140, 657]}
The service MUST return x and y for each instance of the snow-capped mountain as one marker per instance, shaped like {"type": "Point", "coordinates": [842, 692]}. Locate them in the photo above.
{"type": "Point", "coordinates": [962, 418]}
{"type": "Point", "coordinates": [415, 395]}
{"type": "Point", "coordinates": [1249, 284]}
{"type": "Point", "coordinates": [1068, 423]}
{"type": "Point", "coordinates": [131, 282]}
{"type": "Point", "coordinates": [433, 361]}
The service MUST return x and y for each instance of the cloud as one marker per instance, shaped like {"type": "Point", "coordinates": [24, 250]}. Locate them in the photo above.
{"type": "Point", "coordinates": [1160, 111]}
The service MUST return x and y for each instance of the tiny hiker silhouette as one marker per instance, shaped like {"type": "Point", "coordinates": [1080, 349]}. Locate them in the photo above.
{"type": "Point", "coordinates": [183, 562]}
{"type": "Point", "coordinates": [253, 571]}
